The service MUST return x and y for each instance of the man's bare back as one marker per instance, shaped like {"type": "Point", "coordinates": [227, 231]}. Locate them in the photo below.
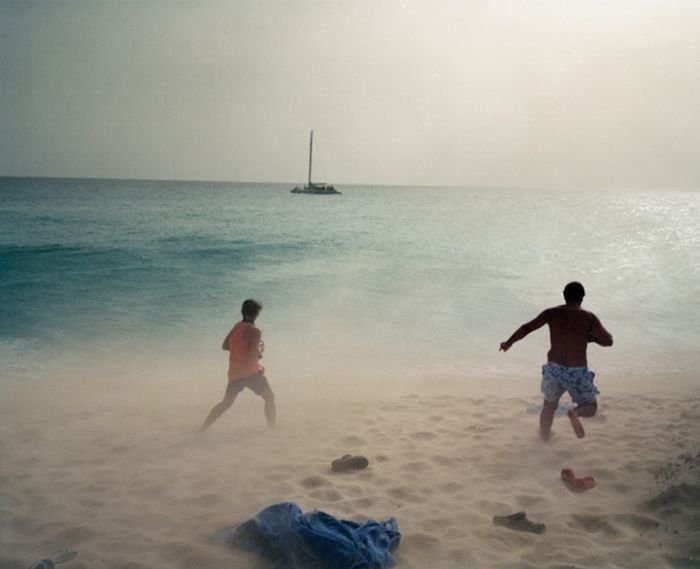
{"type": "Point", "coordinates": [570, 329]}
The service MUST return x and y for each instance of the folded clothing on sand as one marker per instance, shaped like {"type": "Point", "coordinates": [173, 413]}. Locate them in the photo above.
{"type": "Point", "coordinates": [292, 539]}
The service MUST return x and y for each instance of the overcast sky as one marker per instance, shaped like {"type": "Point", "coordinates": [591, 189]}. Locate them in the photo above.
{"type": "Point", "coordinates": [552, 94]}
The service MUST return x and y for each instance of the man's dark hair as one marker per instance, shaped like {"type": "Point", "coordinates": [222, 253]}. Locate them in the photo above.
{"type": "Point", "coordinates": [574, 292]}
{"type": "Point", "coordinates": [251, 308]}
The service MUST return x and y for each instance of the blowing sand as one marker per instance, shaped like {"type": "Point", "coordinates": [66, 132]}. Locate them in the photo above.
{"type": "Point", "coordinates": [118, 472]}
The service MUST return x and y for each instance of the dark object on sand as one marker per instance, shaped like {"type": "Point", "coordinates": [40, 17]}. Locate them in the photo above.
{"type": "Point", "coordinates": [43, 564]}
{"type": "Point", "coordinates": [290, 539]}
{"type": "Point", "coordinates": [576, 484]}
{"type": "Point", "coordinates": [59, 557]}
{"type": "Point", "coordinates": [518, 522]}
{"type": "Point", "coordinates": [349, 462]}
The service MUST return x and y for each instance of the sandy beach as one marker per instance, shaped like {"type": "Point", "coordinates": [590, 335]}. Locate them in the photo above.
{"type": "Point", "coordinates": [117, 472]}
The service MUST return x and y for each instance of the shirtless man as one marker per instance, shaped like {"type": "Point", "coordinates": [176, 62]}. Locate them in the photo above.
{"type": "Point", "coordinates": [245, 346]}
{"type": "Point", "coordinates": [570, 329]}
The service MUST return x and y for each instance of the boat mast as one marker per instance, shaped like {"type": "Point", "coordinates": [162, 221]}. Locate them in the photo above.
{"type": "Point", "coordinates": [311, 151]}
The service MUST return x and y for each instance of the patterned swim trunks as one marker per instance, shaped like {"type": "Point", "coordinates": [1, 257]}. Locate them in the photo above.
{"type": "Point", "coordinates": [577, 381]}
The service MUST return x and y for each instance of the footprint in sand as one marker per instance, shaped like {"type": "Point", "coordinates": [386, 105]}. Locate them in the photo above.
{"type": "Point", "coordinates": [594, 524]}
{"type": "Point", "coordinates": [423, 436]}
{"type": "Point", "coordinates": [326, 495]}
{"type": "Point", "coordinates": [207, 500]}
{"type": "Point", "coordinates": [442, 460]}
{"type": "Point", "coordinates": [453, 433]}
{"type": "Point", "coordinates": [416, 466]}
{"type": "Point", "coordinates": [312, 482]}
{"type": "Point", "coordinates": [147, 490]}
{"type": "Point", "coordinates": [420, 541]}
{"type": "Point", "coordinates": [451, 487]}
{"type": "Point", "coordinates": [178, 552]}
{"type": "Point", "coordinates": [479, 428]}
{"type": "Point", "coordinates": [10, 501]}
{"type": "Point", "coordinates": [406, 495]}
{"type": "Point", "coordinates": [364, 502]}
{"type": "Point", "coordinates": [529, 501]}
{"type": "Point", "coordinates": [393, 407]}
{"type": "Point", "coordinates": [279, 476]}
{"type": "Point", "coordinates": [118, 450]}
{"type": "Point", "coordinates": [440, 404]}
{"type": "Point", "coordinates": [75, 535]}
{"type": "Point", "coordinates": [22, 525]}
{"type": "Point", "coordinates": [134, 565]}
{"type": "Point", "coordinates": [353, 440]}
{"type": "Point", "coordinates": [146, 519]}
{"type": "Point", "coordinates": [637, 522]}
{"type": "Point", "coordinates": [96, 488]}
{"type": "Point", "coordinates": [89, 504]}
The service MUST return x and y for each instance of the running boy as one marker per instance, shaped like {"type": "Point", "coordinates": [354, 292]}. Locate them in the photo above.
{"type": "Point", "coordinates": [245, 346]}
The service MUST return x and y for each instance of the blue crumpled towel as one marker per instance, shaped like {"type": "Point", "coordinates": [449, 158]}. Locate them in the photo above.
{"type": "Point", "coordinates": [292, 539]}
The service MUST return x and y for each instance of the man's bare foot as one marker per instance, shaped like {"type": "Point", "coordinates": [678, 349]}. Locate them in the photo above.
{"type": "Point", "coordinates": [576, 424]}
{"type": "Point", "coordinates": [546, 437]}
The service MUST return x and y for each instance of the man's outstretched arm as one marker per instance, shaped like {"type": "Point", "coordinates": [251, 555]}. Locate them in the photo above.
{"type": "Point", "coordinates": [524, 330]}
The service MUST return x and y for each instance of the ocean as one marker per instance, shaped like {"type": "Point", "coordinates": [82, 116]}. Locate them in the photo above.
{"type": "Point", "coordinates": [141, 279]}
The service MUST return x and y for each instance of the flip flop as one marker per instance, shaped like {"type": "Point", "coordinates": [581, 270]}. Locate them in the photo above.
{"type": "Point", "coordinates": [59, 557]}
{"type": "Point", "coordinates": [577, 484]}
{"type": "Point", "coordinates": [519, 522]}
{"type": "Point", "coordinates": [43, 564]}
{"type": "Point", "coordinates": [349, 462]}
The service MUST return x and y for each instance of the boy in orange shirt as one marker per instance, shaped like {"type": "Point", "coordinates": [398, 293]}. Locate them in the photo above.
{"type": "Point", "coordinates": [245, 346]}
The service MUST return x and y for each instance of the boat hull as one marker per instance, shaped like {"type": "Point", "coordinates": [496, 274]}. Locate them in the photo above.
{"type": "Point", "coordinates": [318, 189]}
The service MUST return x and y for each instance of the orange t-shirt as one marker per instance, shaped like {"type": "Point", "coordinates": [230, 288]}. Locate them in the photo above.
{"type": "Point", "coordinates": [244, 351]}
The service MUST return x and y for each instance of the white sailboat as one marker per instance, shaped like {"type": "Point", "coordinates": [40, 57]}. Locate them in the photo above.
{"type": "Point", "coordinates": [314, 187]}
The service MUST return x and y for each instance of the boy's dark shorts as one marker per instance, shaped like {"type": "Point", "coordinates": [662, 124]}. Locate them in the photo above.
{"type": "Point", "coordinates": [258, 383]}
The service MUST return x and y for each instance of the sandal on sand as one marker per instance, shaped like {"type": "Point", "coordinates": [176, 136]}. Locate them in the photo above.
{"type": "Point", "coordinates": [59, 557]}
{"type": "Point", "coordinates": [518, 522]}
{"type": "Point", "coordinates": [349, 462]}
{"type": "Point", "coordinates": [574, 483]}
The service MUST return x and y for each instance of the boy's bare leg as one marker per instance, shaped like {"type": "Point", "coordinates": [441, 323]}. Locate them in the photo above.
{"type": "Point", "coordinates": [547, 418]}
{"type": "Point", "coordinates": [585, 410]}
{"type": "Point", "coordinates": [270, 409]}
{"type": "Point", "coordinates": [218, 410]}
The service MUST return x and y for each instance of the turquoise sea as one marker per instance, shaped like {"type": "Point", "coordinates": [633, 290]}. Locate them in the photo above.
{"type": "Point", "coordinates": [144, 278]}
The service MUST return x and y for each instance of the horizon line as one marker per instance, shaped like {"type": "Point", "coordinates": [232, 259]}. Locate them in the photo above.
{"type": "Point", "coordinates": [351, 184]}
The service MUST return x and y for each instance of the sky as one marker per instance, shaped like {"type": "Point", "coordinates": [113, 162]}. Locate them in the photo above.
{"type": "Point", "coordinates": [475, 93]}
